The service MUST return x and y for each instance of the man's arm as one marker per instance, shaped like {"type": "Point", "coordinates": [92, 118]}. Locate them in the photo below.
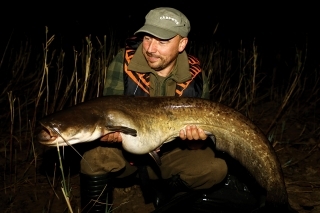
{"type": "Point", "coordinates": [114, 80]}
{"type": "Point", "coordinates": [193, 135]}
{"type": "Point", "coordinates": [114, 86]}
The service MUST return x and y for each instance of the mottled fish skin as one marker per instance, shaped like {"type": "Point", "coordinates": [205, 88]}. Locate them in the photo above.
{"type": "Point", "coordinates": [146, 123]}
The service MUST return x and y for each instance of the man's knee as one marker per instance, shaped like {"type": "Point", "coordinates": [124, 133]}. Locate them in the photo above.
{"type": "Point", "coordinates": [210, 173]}
{"type": "Point", "coordinates": [218, 171]}
{"type": "Point", "coordinates": [101, 160]}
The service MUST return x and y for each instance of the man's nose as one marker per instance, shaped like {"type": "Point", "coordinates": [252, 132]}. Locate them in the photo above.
{"type": "Point", "coordinates": [152, 48]}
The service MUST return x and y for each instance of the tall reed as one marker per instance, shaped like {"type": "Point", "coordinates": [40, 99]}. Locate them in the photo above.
{"type": "Point", "coordinates": [39, 83]}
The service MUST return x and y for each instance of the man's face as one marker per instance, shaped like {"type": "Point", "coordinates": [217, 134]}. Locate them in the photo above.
{"type": "Point", "coordinates": [162, 54]}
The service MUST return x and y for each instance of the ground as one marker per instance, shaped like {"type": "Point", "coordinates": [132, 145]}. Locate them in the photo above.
{"type": "Point", "coordinates": [28, 189]}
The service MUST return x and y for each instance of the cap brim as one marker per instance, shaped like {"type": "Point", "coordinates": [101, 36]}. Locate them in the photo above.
{"type": "Point", "coordinates": [157, 32]}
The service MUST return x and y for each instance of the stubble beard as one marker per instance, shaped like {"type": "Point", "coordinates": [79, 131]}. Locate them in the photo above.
{"type": "Point", "coordinates": [159, 65]}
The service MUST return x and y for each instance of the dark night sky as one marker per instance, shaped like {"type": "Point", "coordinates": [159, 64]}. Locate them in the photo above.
{"type": "Point", "coordinates": [279, 29]}
{"type": "Point", "coordinates": [241, 20]}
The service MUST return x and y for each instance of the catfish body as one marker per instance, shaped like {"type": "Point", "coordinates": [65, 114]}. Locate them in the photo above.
{"type": "Point", "coordinates": [146, 123]}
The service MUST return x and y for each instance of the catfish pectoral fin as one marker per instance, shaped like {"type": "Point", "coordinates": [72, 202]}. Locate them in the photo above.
{"type": "Point", "coordinates": [123, 129]}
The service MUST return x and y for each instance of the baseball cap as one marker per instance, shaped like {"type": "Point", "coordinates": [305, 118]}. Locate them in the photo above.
{"type": "Point", "coordinates": [165, 23]}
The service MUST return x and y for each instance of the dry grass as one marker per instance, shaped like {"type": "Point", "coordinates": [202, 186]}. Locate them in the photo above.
{"type": "Point", "coordinates": [35, 84]}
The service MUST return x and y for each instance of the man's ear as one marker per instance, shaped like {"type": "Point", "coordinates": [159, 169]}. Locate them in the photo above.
{"type": "Point", "coordinates": [183, 43]}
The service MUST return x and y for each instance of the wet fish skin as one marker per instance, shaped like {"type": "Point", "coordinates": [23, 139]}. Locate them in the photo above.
{"type": "Point", "coordinates": [146, 123]}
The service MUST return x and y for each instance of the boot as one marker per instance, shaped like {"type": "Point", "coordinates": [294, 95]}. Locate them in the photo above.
{"type": "Point", "coordinates": [229, 196]}
{"type": "Point", "coordinates": [96, 193]}
{"type": "Point", "coordinates": [165, 189]}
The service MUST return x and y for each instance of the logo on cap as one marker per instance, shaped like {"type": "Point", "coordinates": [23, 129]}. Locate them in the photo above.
{"type": "Point", "coordinates": [169, 18]}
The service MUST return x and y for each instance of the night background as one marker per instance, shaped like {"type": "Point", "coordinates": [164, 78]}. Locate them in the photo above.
{"type": "Point", "coordinates": [276, 27]}
{"type": "Point", "coordinates": [268, 21]}
{"type": "Point", "coordinates": [286, 35]}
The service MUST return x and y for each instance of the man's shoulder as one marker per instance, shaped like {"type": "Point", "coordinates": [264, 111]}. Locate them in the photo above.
{"type": "Point", "coordinates": [121, 52]}
{"type": "Point", "coordinates": [118, 58]}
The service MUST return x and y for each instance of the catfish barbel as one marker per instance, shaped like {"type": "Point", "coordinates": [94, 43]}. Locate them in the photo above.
{"type": "Point", "coordinates": [146, 123]}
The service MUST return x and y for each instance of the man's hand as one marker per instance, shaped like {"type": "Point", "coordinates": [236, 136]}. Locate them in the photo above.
{"type": "Point", "coordinates": [112, 137]}
{"type": "Point", "coordinates": [192, 133]}
{"type": "Point", "coordinates": [195, 136]}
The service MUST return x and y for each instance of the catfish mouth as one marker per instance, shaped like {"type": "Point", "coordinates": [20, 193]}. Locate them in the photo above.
{"type": "Point", "coordinates": [47, 135]}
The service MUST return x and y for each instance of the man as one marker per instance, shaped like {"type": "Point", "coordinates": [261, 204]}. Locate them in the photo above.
{"type": "Point", "coordinates": [154, 63]}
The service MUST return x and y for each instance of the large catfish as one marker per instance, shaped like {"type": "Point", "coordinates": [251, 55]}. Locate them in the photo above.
{"type": "Point", "coordinates": [146, 123]}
